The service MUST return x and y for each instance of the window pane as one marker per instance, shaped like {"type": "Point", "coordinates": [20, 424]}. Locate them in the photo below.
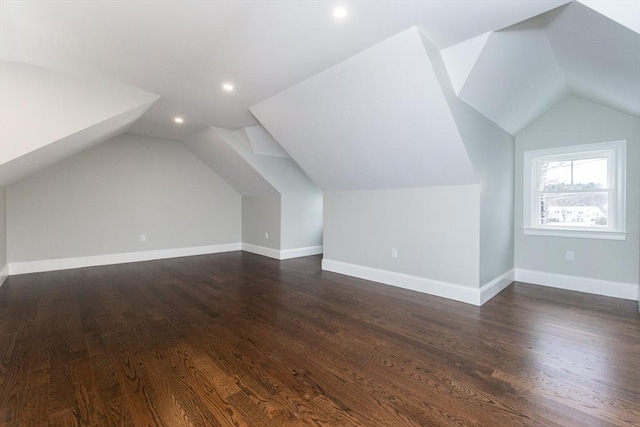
{"type": "Point", "coordinates": [574, 209]}
{"type": "Point", "coordinates": [555, 175]}
{"type": "Point", "coordinates": [590, 174]}
{"type": "Point", "coordinates": [583, 174]}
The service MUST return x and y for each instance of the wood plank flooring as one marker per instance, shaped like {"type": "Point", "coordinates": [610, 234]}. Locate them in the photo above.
{"type": "Point", "coordinates": [237, 339]}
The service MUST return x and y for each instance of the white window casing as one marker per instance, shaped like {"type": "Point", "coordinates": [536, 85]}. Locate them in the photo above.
{"type": "Point", "coordinates": [614, 191]}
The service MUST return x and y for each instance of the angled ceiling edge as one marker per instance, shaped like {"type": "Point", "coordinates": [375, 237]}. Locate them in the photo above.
{"type": "Point", "coordinates": [217, 153]}
{"type": "Point", "coordinates": [600, 58]}
{"type": "Point", "coordinates": [460, 59]}
{"type": "Point", "coordinates": [283, 173]}
{"type": "Point", "coordinates": [50, 154]}
{"type": "Point", "coordinates": [62, 105]}
{"type": "Point", "coordinates": [626, 13]}
{"type": "Point", "coordinates": [263, 143]}
{"type": "Point", "coordinates": [517, 77]}
{"type": "Point", "coordinates": [377, 120]}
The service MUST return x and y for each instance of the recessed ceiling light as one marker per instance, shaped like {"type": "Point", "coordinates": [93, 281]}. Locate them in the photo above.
{"type": "Point", "coordinates": [340, 12]}
{"type": "Point", "coordinates": [228, 87]}
{"type": "Point", "coordinates": [178, 120]}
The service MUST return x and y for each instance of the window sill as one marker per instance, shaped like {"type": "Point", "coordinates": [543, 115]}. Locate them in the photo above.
{"type": "Point", "coordinates": [581, 234]}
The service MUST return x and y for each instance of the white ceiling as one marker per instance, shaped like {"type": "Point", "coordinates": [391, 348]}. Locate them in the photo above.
{"type": "Point", "coordinates": [263, 143]}
{"type": "Point", "coordinates": [380, 119]}
{"type": "Point", "coordinates": [516, 78]}
{"type": "Point", "coordinates": [47, 116]}
{"type": "Point", "coordinates": [184, 50]}
{"type": "Point", "coordinates": [302, 73]}
{"type": "Point", "coordinates": [232, 155]}
{"type": "Point", "coordinates": [516, 74]}
{"type": "Point", "coordinates": [599, 57]}
{"type": "Point", "coordinates": [283, 173]}
{"type": "Point", "coordinates": [213, 149]}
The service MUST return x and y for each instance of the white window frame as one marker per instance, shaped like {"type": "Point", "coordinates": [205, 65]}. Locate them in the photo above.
{"type": "Point", "coordinates": [616, 153]}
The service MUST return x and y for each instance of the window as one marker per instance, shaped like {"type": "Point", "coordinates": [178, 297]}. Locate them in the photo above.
{"type": "Point", "coordinates": [576, 191]}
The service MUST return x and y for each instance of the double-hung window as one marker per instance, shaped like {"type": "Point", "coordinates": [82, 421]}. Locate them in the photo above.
{"type": "Point", "coordinates": [576, 191]}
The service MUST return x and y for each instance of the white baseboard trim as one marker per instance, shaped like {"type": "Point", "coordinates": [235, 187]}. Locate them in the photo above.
{"type": "Point", "coordinates": [582, 284]}
{"type": "Point", "coordinates": [496, 286]}
{"type": "Point", "coordinates": [4, 273]}
{"type": "Point", "coordinates": [261, 250]}
{"type": "Point", "coordinates": [300, 252]}
{"type": "Point", "coordinates": [467, 294]}
{"type": "Point", "coordinates": [97, 260]}
{"type": "Point", "coordinates": [92, 261]}
{"type": "Point", "coordinates": [281, 254]}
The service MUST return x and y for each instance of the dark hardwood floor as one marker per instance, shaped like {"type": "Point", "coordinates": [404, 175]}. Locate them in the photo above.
{"type": "Point", "coordinates": [239, 339]}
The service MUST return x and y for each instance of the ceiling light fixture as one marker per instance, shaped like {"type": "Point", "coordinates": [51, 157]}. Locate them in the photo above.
{"type": "Point", "coordinates": [340, 12]}
{"type": "Point", "coordinates": [178, 120]}
{"type": "Point", "coordinates": [227, 87]}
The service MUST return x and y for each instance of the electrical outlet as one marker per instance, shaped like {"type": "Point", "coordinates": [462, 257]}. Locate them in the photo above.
{"type": "Point", "coordinates": [571, 256]}
{"type": "Point", "coordinates": [266, 235]}
{"type": "Point", "coordinates": [394, 253]}
{"type": "Point", "coordinates": [143, 237]}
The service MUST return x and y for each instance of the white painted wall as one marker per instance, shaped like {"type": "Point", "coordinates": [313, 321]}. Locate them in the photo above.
{"type": "Point", "coordinates": [576, 121]}
{"type": "Point", "coordinates": [101, 200]}
{"type": "Point", "coordinates": [261, 215]}
{"type": "Point", "coordinates": [4, 271]}
{"type": "Point", "coordinates": [436, 231]}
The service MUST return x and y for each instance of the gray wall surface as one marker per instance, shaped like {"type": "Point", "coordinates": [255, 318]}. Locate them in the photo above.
{"type": "Point", "coordinates": [3, 231]}
{"type": "Point", "coordinates": [302, 220]}
{"type": "Point", "coordinates": [101, 200]}
{"type": "Point", "coordinates": [301, 207]}
{"type": "Point", "coordinates": [435, 230]}
{"type": "Point", "coordinates": [575, 121]}
{"type": "Point", "coordinates": [260, 215]}
{"type": "Point", "coordinates": [491, 151]}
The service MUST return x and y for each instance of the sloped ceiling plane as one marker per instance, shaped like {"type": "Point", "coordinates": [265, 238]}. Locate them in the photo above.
{"type": "Point", "coordinates": [356, 103]}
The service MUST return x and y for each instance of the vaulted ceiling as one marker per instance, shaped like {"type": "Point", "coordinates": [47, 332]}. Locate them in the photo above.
{"type": "Point", "coordinates": [510, 60]}
{"type": "Point", "coordinates": [514, 75]}
{"type": "Point", "coordinates": [380, 119]}
{"type": "Point", "coordinates": [184, 50]}
{"type": "Point", "coordinates": [48, 116]}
